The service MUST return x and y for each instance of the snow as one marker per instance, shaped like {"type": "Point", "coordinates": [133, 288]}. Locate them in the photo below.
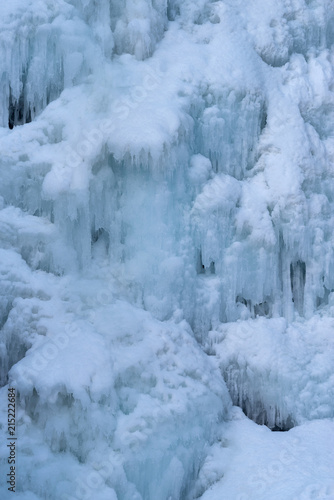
{"type": "Point", "coordinates": [274, 465]}
{"type": "Point", "coordinates": [280, 374]}
{"type": "Point", "coordinates": [166, 248]}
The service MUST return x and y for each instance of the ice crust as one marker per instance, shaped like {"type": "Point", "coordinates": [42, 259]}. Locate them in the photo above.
{"type": "Point", "coordinates": [281, 375]}
{"type": "Point", "coordinates": [275, 465]}
{"type": "Point", "coordinates": [166, 238]}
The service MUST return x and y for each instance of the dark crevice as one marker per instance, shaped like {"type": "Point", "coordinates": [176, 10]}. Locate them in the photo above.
{"type": "Point", "coordinates": [100, 236]}
{"type": "Point", "coordinates": [5, 308]}
{"type": "Point", "coordinates": [212, 268]}
{"type": "Point", "coordinates": [323, 300]}
{"type": "Point", "coordinates": [201, 268]}
{"type": "Point", "coordinates": [19, 111]}
{"type": "Point", "coordinates": [173, 10]}
{"type": "Point", "coordinates": [256, 411]}
{"type": "Point", "coordinates": [245, 388]}
{"type": "Point", "coordinates": [263, 119]}
{"type": "Point", "coordinates": [240, 300]}
{"type": "Point", "coordinates": [199, 264]}
{"type": "Point", "coordinates": [263, 308]}
{"type": "Point", "coordinates": [297, 279]}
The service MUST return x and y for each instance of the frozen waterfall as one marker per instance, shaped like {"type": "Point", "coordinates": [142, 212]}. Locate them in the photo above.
{"type": "Point", "coordinates": [166, 247]}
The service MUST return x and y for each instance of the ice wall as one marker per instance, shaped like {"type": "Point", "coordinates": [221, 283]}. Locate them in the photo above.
{"type": "Point", "coordinates": [256, 123]}
{"type": "Point", "coordinates": [44, 49]}
{"type": "Point", "coordinates": [279, 374]}
{"type": "Point", "coordinates": [172, 161]}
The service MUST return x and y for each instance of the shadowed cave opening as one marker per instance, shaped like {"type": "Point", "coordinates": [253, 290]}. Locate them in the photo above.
{"type": "Point", "coordinates": [19, 112]}
{"type": "Point", "coordinates": [257, 412]}
{"type": "Point", "coordinates": [255, 408]}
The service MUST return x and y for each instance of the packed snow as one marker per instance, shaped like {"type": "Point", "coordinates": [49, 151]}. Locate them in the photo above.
{"type": "Point", "coordinates": [166, 248]}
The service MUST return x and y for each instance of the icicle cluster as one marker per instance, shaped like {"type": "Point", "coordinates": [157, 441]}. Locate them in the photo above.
{"type": "Point", "coordinates": [166, 168]}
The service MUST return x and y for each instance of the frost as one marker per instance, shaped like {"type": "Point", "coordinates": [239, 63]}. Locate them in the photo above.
{"type": "Point", "coordinates": [166, 246]}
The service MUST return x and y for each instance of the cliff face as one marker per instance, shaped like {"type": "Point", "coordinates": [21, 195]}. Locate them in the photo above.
{"type": "Point", "coordinates": [166, 215]}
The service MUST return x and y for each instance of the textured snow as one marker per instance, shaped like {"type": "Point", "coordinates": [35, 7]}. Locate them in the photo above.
{"type": "Point", "coordinates": [281, 375]}
{"type": "Point", "coordinates": [166, 248]}
{"type": "Point", "coordinates": [274, 465]}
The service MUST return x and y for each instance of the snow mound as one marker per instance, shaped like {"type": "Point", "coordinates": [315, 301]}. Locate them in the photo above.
{"type": "Point", "coordinates": [280, 375]}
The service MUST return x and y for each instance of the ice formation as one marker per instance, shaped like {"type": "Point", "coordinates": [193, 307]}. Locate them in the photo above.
{"type": "Point", "coordinates": [166, 246]}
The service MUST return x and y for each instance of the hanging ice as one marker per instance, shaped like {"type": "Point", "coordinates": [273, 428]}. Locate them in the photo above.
{"type": "Point", "coordinates": [166, 194]}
